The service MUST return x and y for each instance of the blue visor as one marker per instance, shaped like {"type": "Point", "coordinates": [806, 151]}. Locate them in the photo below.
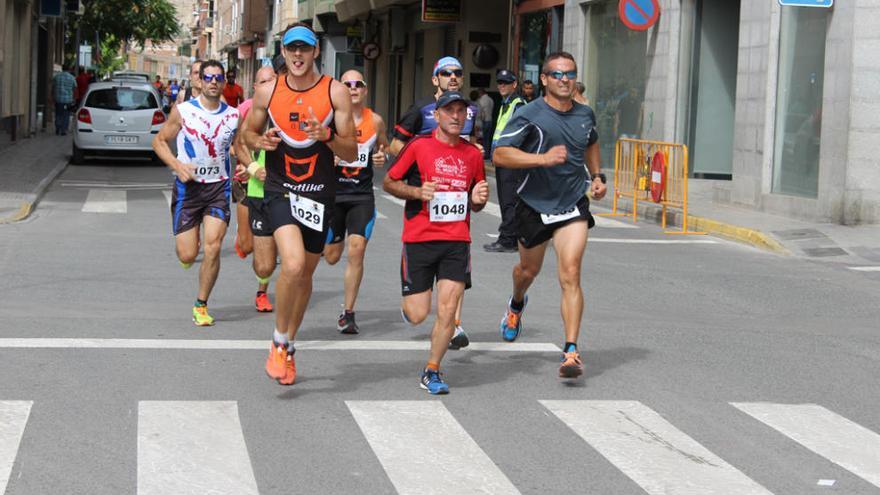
{"type": "Point", "coordinates": [301, 34]}
{"type": "Point", "coordinates": [446, 62]}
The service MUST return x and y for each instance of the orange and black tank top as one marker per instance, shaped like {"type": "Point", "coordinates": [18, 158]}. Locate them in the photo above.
{"type": "Point", "coordinates": [355, 179]}
{"type": "Point", "coordinates": [299, 164]}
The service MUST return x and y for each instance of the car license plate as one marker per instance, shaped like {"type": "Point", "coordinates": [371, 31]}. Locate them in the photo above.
{"type": "Point", "coordinates": [121, 139]}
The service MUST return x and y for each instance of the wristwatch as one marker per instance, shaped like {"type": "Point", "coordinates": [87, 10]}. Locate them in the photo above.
{"type": "Point", "coordinates": [600, 175]}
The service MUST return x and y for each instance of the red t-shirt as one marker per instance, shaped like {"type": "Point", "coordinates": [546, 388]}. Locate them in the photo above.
{"type": "Point", "coordinates": [455, 169]}
{"type": "Point", "coordinates": [233, 94]}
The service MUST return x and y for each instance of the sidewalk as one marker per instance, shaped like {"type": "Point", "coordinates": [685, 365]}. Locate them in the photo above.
{"type": "Point", "coordinates": [27, 168]}
{"type": "Point", "coordinates": [858, 245]}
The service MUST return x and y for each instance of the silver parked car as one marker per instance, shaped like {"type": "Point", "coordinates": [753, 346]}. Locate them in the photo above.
{"type": "Point", "coordinates": [118, 118]}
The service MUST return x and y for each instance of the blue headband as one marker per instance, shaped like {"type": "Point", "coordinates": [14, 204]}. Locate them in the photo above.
{"type": "Point", "coordinates": [446, 62]}
{"type": "Point", "coordinates": [300, 33]}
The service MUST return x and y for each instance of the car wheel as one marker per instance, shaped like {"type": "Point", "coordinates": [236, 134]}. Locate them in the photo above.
{"type": "Point", "coordinates": [78, 156]}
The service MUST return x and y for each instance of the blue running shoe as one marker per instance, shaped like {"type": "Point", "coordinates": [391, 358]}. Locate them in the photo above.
{"type": "Point", "coordinates": [433, 382]}
{"type": "Point", "coordinates": [511, 324]}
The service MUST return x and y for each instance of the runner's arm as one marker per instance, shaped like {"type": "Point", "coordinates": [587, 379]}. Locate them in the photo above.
{"type": "Point", "coordinates": [166, 133]}
{"type": "Point", "coordinates": [344, 143]}
{"type": "Point", "coordinates": [252, 129]}
{"type": "Point", "coordinates": [380, 157]}
{"type": "Point", "coordinates": [395, 146]}
{"type": "Point", "coordinates": [394, 180]}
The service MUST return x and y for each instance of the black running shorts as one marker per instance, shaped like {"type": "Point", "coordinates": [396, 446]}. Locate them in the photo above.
{"type": "Point", "coordinates": [190, 201]}
{"type": "Point", "coordinates": [258, 217]}
{"type": "Point", "coordinates": [353, 217]}
{"type": "Point", "coordinates": [280, 214]}
{"type": "Point", "coordinates": [531, 229]}
{"type": "Point", "coordinates": [423, 262]}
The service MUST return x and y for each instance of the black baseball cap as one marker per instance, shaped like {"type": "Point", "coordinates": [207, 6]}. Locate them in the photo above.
{"type": "Point", "coordinates": [505, 76]}
{"type": "Point", "coordinates": [449, 97]}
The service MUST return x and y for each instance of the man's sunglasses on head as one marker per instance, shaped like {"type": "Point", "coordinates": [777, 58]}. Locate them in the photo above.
{"type": "Point", "coordinates": [355, 84]}
{"type": "Point", "coordinates": [450, 73]}
{"type": "Point", "coordinates": [558, 74]}
{"type": "Point", "coordinates": [213, 77]}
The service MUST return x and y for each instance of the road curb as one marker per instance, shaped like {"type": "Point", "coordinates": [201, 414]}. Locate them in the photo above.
{"type": "Point", "coordinates": [745, 235]}
{"type": "Point", "coordinates": [28, 207]}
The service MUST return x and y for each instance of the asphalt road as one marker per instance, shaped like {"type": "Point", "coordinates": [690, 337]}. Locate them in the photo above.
{"type": "Point", "coordinates": [710, 368]}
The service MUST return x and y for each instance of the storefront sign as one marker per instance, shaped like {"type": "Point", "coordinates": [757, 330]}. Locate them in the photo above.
{"type": "Point", "coordinates": [639, 15]}
{"type": "Point", "coordinates": [807, 3]}
{"type": "Point", "coordinates": [441, 10]}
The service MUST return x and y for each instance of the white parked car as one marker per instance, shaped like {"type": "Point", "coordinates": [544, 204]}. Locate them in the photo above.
{"type": "Point", "coordinates": [118, 118]}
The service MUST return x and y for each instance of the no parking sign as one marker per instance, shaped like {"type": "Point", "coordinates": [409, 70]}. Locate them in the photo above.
{"type": "Point", "coordinates": [639, 15]}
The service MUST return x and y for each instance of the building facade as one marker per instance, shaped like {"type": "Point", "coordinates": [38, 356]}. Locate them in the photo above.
{"type": "Point", "coordinates": [778, 105]}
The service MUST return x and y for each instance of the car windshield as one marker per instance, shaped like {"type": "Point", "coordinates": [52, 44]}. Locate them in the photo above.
{"type": "Point", "coordinates": [121, 99]}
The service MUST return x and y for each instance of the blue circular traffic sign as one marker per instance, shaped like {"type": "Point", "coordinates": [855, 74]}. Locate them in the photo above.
{"type": "Point", "coordinates": [639, 15]}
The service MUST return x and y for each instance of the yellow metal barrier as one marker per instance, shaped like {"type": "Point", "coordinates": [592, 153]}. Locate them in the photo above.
{"type": "Point", "coordinates": [633, 160]}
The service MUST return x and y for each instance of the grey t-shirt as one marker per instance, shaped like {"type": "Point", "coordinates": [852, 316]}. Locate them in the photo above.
{"type": "Point", "coordinates": [537, 127]}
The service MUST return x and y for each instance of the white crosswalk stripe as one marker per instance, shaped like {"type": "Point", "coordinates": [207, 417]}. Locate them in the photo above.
{"type": "Point", "coordinates": [852, 446]}
{"type": "Point", "coordinates": [610, 223]}
{"type": "Point", "coordinates": [13, 418]}
{"type": "Point", "coordinates": [192, 447]}
{"type": "Point", "coordinates": [167, 195]}
{"type": "Point", "coordinates": [651, 451]}
{"type": "Point", "coordinates": [106, 201]}
{"type": "Point", "coordinates": [403, 433]}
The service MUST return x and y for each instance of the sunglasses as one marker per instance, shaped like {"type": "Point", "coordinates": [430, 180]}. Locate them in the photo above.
{"type": "Point", "coordinates": [355, 84]}
{"type": "Point", "coordinates": [450, 73]}
{"type": "Point", "coordinates": [558, 74]}
{"type": "Point", "coordinates": [213, 77]}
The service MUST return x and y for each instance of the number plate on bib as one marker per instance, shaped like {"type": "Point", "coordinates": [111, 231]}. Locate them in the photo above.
{"type": "Point", "coordinates": [309, 213]}
{"type": "Point", "coordinates": [449, 206]}
{"type": "Point", "coordinates": [559, 217]}
{"type": "Point", "coordinates": [208, 171]}
{"type": "Point", "coordinates": [363, 158]}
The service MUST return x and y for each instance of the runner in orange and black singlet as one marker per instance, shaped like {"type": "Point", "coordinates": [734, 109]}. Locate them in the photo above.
{"type": "Point", "coordinates": [309, 121]}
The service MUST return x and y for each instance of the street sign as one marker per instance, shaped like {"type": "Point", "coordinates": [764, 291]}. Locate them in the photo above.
{"type": "Point", "coordinates": [807, 3]}
{"type": "Point", "coordinates": [639, 15]}
{"type": "Point", "coordinates": [371, 51]}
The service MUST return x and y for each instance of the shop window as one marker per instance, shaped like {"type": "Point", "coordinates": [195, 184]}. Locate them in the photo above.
{"type": "Point", "coordinates": [799, 101]}
{"type": "Point", "coordinates": [615, 76]}
{"type": "Point", "coordinates": [534, 43]}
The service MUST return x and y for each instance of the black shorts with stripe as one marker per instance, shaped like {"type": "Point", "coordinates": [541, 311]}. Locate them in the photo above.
{"type": "Point", "coordinates": [191, 201]}
{"type": "Point", "coordinates": [421, 263]}
{"type": "Point", "coordinates": [531, 229]}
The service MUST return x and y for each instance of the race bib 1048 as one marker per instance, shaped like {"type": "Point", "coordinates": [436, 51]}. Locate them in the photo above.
{"type": "Point", "coordinates": [449, 206]}
{"type": "Point", "coordinates": [308, 212]}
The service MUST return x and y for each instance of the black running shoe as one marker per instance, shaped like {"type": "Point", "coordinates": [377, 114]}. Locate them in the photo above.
{"type": "Point", "coordinates": [346, 323]}
{"type": "Point", "coordinates": [459, 339]}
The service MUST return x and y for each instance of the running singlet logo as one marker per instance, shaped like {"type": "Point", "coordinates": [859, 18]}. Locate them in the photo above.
{"type": "Point", "coordinates": [306, 165]}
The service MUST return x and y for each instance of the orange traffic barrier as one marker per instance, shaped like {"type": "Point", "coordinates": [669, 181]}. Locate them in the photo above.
{"type": "Point", "coordinates": [653, 171]}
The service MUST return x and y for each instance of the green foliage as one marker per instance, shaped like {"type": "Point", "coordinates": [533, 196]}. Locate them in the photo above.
{"type": "Point", "coordinates": [129, 21]}
{"type": "Point", "coordinates": [111, 58]}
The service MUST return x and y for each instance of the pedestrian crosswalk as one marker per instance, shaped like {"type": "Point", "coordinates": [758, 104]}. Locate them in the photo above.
{"type": "Point", "coordinates": [200, 446]}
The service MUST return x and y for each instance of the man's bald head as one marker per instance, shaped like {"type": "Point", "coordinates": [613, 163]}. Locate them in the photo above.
{"type": "Point", "coordinates": [357, 87]}
{"type": "Point", "coordinates": [264, 75]}
{"type": "Point", "coordinates": [352, 75]}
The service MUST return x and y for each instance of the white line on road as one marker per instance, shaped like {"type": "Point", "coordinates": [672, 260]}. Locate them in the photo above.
{"type": "Point", "coordinates": [608, 223]}
{"type": "Point", "coordinates": [380, 215]}
{"type": "Point", "coordinates": [865, 268]}
{"type": "Point", "coordinates": [110, 185]}
{"type": "Point", "coordinates": [167, 195]}
{"type": "Point", "coordinates": [247, 345]}
{"type": "Point", "coordinates": [105, 201]}
{"type": "Point", "coordinates": [425, 450]}
{"type": "Point", "coordinates": [13, 418]}
{"type": "Point", "coordinates": [394, 200]}
{"type": "Point", "coordinates": [650, 450]}
{"type": "Point", "coordinates": [611, 240]}
{"type": "Point", "coordinates": [192, 447]}
{"type": "Point", "coordinates": [833, 437]}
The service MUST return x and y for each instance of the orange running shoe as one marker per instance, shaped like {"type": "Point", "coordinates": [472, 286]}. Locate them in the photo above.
{"type": "Point", "coordinates": [241, 254]}
{"type": "Point", "coordinates": [290, 371]}
{"type": "Point", "coordinates": [262, 303]}
{"type": "Point", "coordinates": [571, 366]}
{"type": "Point", "coordinates": [276, 362]}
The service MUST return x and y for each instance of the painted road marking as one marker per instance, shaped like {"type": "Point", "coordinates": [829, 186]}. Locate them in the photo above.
{"type": "Point", "coordinates": [425, 450]}
{"type": "Point", "coordinates": [394, 200]}
{"type": "Point", "coordinates": [167, 195]}
{"type": "Point", "coordinates": [105, 201]}
{"type": "Point", "coordinates": [379, 215]}
{"type": "Point", "coordinates": [650, 450]}
{"type": "Point", "coordinates": [248, 345]}
{"type": "Point", "coordinates": [847, 444]}
{"type": "Point", "coordinates": [192, 447]}
{"type": "Point", "coordinates": [13, 418]}
{"type": "Point", "coordinates": [865, 268]}
{"type": "Point", "coordinates": [610, 240]}
{"type": "Point", "coordinates": [609, 223]}
{"type": "Point", "coordinates": [87, 184]}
